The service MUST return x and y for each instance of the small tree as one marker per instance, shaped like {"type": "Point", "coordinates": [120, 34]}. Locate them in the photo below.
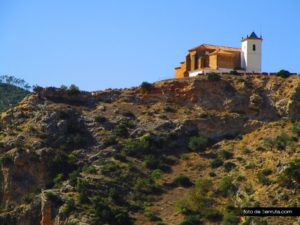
{"type": "Point", "coordinates": [284, 73]}
{"type": "Point", "coordinates": [145, 86]}
{"type": "Point", "coordinates": [74, 89]}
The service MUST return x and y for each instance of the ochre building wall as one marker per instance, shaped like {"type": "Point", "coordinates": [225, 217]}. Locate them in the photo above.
{"type": "Point", "coordinates": [180, 71]}
{"type": "Point", "coordinates": [213, 62]}
{"type": "Point", "coordinates": [229, 61]}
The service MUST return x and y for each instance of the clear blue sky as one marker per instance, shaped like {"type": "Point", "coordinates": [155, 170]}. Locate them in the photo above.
{"type": "Point", "coordinates": [98, 44]}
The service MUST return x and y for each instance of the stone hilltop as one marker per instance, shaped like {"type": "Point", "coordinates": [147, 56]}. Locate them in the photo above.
{"type": "Point", "coordinates": [64, 152]}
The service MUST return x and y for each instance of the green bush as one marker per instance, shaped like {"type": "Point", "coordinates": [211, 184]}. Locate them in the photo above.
{"type": "Point", "coordinates": [145, 86]}
{"type": "Point", "coordinates": [169, 159]}
{"type": "Point", "coordinates": [134, 147]}
{"type": "Point", "coordinates": [108, 141]}
{"type": "Point", "coordinates": [73, 176]}
{"type": "Point", "coordinates": [269, 143]}
{"type": "Point", "coordinates": [182, 181]}
{"type": "Point", "coordinates": [203, 186]}
{"type": "Point", "coordinates": [213, 214]}
{"type": "Point", "coordinates": [114, 195]}
{"type": "Point", "coordinates": [213, 77]}
{"type": "Point", "coordinates": [152, 162]}
{"type": "Point", "coordinates": [58, 179]}
{"type": "Point", "coordinates": [121, 130]}
{"type": "Point", "coordinates": [148, 144]}
{"type": "Point", "coordinates": [267, 171]}
{"type": "Point", "coordinates": [145, 186]}
{"type": "Point", "coordinates": [260, 149]}
{"type": "Point", "coordinates": [283, 73]}
{"type": "Point", "coordinates": [110, 168]}
{"type": "Point", "coordinates": [293, 170]}
{"type": "Point", "coordinates": [120, 156]}
{"type": "Point", "coordinates": [156, 174]}
{"type": "Point", "coordinates": [263, 179]}
{"type": "Point", "coordinates": [228, 166]}
{"type": "Point", "coordinates": [28, 197]}
{"type": "Point", "coordinates": [199, 202]}
{"type": "Point", "coordinates": [296, 128]}
{"type": "Point", "coordinates": [225, 154]}
{"type": "Point", "coordinates": [282, 140]}
{"type": "Point", "coordinates": [104, 214]}
{"type": "Point", "coordinates": [62, 164]}
{"type": "Point", "coordinates": [216, 163]}
{"type": "Point", "coordinates": [191, 220]}
{"type": "Point", "coordinates": [81, 187]}
{"type": "Point", "coordinates": [231, 219]}
{"type": "Point", "coordinates": [198, 143]}
{"type": "Point", "coordinates": [153, 216]}
{"type": "Point", "coordinates": [212, 174]}
{"type": "Point", "coordinates": [226, 187]}
{"type": "Point", "coordinates": [89, 169]}
{"type": "Point", "coordinates": [69, 206]}
{"type": "Point", "coordinates": [100, 119]}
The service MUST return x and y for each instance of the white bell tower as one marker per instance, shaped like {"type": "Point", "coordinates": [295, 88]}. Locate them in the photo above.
{"type": "Point", "coordinates": [251, 53]}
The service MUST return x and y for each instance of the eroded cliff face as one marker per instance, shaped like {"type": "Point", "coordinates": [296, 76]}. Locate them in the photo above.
{"type": "Point", "coordinates": [54, 132]}
{"type": "Point", "coordinates": [24, 172]}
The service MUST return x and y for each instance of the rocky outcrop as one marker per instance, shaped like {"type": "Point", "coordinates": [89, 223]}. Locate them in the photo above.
{"type": "Point", "coordinates": [24, 173]}
{"type": "Point", "coordinates": [259, 97]}
{"type": "Point", "coordinates": [293, 104]}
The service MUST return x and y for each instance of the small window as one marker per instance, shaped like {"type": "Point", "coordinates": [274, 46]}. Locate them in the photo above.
{"type": "Point", "coordinates": [253, 48]}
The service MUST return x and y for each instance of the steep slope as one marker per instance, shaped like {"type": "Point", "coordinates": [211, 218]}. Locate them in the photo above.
{"type": "Point", "coordinates": [142, 155]}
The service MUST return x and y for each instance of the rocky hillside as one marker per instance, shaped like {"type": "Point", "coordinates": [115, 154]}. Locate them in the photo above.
{"type": "Point", "coordinates": [185, 152]}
